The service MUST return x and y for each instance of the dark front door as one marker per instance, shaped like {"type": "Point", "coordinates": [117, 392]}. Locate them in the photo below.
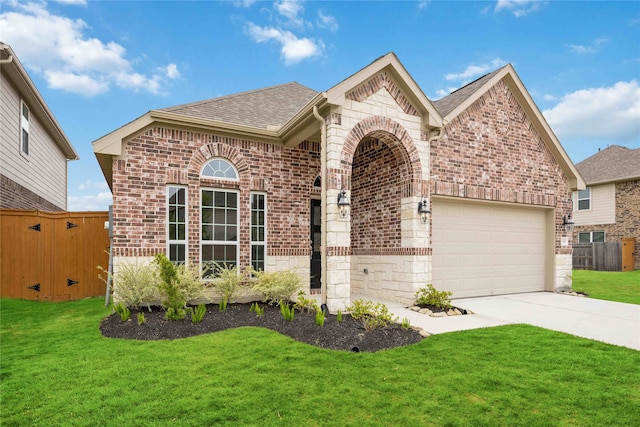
{"type": "Point", "coordinates": [316, 233]}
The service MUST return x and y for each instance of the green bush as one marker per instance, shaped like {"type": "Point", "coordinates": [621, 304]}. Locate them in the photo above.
{"type": "Point", "coordinates": [276, 286]}
{"type": "Point", "coordinates": [136, 284]}
{"type": "Point", "coordinates": [173, 300]}
{"type": "Point", "coordinates": [122, 311]}
{"type": "Point", "coordinates": [287, 311]}
{"type": "Point", "coordinates": [141, 318]}
{"type": "Point", "coordinates": [227, 282]}
{"type": "Point", "coordinates": [432, 297]}
{"type": "Point", "coordinates": [339, 316]}
{"type": "Point", "coordinates": [370, 315]}
{"type": "Point", "coordinates": [198, 313]}
{"type": "Point", "coordinates": [190, 284]}
{"type": "Point", "coordinates": [406, 324]}
{"type": "Point", "coordinates": [319, 318]}
{"type": "Point", "coordinates": [303, 303]}
{"type": "Point", "coordinates": [255, 308]}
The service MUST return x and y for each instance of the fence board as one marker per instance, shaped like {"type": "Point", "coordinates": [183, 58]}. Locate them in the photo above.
{"type": "Point", "coordinates": [600, 256]}
{"type": "Point", "coordinates": [53, 255]}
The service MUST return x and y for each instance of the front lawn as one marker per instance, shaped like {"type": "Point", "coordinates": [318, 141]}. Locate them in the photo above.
{"type": "Point", "coordinates": [608, 285]}
{"type": "Point", "coordinates": [58, 370]}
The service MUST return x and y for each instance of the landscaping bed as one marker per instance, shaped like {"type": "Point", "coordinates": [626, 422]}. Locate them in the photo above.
{"type": "Point", "coordinates": [348, 335]}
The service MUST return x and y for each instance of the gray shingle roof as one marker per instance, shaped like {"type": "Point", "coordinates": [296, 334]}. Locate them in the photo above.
{"type": "Point", "coordinates": [457, 97]}
{"type": "Point", "coordinates": [271, 106]}
{"type": "Point", "coordinates": [614, 163]}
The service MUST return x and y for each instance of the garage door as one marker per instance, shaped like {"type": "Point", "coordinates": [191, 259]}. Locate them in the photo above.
{"type": "Point", "coordinates": [487, 249]}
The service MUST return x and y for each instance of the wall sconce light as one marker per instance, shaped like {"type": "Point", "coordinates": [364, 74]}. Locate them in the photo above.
{"type": "Point", "coordinates": [343, 204]}
{"type": "Point", "coordinates": [423, 210]}
{"type": "Point", "coordinates": [568, 223]}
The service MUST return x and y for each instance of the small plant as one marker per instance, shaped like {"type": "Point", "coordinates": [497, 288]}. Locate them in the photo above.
{"type": "Point", "coordinates": [371, 315]}
{"type": "Point", "coordinates": [223, 304]}
{"type": "Point", "coordinates": [135, 283]}
{"type": "Point", "coordinates": [276, 286]}
{"type": "Point", "coordinates": [339, 316]}
{"type": "Point", "coordinates": [255, 308]}
{"type": "Point", "coordinates": [173, 301]}
{"type": "Point", "coordinates": [122, 311]}
{"type": "Point", "coordinates": [198, 313]}
{"type": "Point", "coordinates": [405, 323]}
{"type": "Point", "coordinates": [319, 318]}
{"type": "Point", "coordinates": [431, 297]}
{"type": "Point", "coordinates": [141, 318]}
{"type": "Point", "coordinates": [228, 280]}
{"type": "Point", "coordinates": [303, 303]}
{"type": "Point", "coordinates": [287, 311]}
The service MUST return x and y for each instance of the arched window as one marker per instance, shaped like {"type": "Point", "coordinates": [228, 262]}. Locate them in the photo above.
{"type": "Point", "coordinates": [219, 169]}
{"type": "Point", "coordinates": [317, 183]}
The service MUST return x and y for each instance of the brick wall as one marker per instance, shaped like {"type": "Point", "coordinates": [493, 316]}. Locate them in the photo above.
{"type": "Point", "coordinates": [163, 156]}
{"type": "Point", "coordinates": [492, 152]}
{"type": "Point", "coordinates": [627, 218]}
{"type": "Point", "coordinates": [15, 196]}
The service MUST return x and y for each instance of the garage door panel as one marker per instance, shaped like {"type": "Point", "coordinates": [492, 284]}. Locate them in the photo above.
{"type": "Point", "coordinates": [486, 249]}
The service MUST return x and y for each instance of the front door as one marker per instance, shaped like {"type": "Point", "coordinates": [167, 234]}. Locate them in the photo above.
{"type": "Point", "coordinates": [316, 233]}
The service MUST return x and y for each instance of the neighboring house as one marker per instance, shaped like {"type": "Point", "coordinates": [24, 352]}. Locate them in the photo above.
{"type": "Point", "coordinates": [33, 147]}
{"type": "Point", "coordinates": [263, 178]}
{"type": "Point", "coordinates": [609, 208]}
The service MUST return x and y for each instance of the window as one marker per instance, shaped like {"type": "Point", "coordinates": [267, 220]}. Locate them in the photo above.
{"type": "Point", "coordinates": [258, 230]}
{"type": "Point", "coordinates": [219, 233]}
{"type": "Point", "coordinates": [584, 199]}
{"type": "Point", "coordinates": [177, 224]}
{"type": "Point", "coordinates": [591, 237]}
{"type": "Point", "coordinates": [24, 125]}
{"type": "Point", "coordinates": [220, 169]}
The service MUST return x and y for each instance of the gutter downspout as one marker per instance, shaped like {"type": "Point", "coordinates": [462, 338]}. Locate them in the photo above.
{"type": "Point", "coordinates": [323, 201]}
{"type": "Point", "coordinates": [6, 61]}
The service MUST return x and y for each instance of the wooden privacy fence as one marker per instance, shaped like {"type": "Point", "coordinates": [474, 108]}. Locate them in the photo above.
{"type": "Point", "coordinates": [52, 256]}
{"type": "Point", "coordinates": [601, 256]}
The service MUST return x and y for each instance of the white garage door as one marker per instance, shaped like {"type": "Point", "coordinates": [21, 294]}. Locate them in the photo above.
{"type": "Point", "coordinates": [487, 249]}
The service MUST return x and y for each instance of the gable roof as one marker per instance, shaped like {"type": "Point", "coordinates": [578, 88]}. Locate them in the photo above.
{"type": "Point", "coordinates": [614, 163]}
{"type": "Point", "coordinates": [449, 103]}
{"type": "Point", "coordinates": [267, 108]}
{"type": "Point", "coordinates": [18, 76]}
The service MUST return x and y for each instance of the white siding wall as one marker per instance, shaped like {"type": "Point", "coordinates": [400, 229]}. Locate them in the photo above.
{"type": "Point", "coordinates": [603, 206]}
{"type": "Point", "coordinates": [44, 170]}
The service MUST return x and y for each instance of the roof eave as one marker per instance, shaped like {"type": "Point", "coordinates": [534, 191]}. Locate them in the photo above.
{"type": "Point", "coordinates": [19, 76]}
{"type": "Point", "coordinates": [614, 180]}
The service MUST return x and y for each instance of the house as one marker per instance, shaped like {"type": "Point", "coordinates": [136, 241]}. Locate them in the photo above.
{"type": "Point", "coordinates": [608, 210]}
{"type": "Point", "coordinates": [35, 150]}
{"type": "Point", "coordinates": [367, 188]}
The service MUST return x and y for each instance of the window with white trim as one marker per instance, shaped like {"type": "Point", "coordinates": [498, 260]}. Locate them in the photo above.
{"type": "Point", "coordinates": [591, 237]}
{"type": "Point", "coordinates": [258, 230]}
{"type": "Point", "coordinates": [219, 169]}
{"type": "Point", "coordinates": [219, 230]}
{"type": "Point", "coordinates": [177, 224]}
{"type": "Point", "coordinates": [24, 129]}
{"type": "Point", "coordinates": [584, 199]}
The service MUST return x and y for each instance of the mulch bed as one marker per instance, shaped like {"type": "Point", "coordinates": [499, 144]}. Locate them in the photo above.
{"type": "Point", "coordinates": [347, 335]}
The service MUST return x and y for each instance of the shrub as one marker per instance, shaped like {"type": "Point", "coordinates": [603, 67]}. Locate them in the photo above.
{"type": "Point", "coordinates": [122, 311]}
{"type": "Point", "coordinates": [319, 318]}
{"type": "Point", "coordinates": [198, 313]}
{"type": "Point", "coordinates": [190, 284]}
{"type": "Point", "coordinates": [228, 281]}
{"type": "Point", "coordinates": [173, 300]}
{"type": "Point", "coordinates": [136, 284]}
{"type": "Point", "coordinates": [276, 286]}
{"type": "Point", "coordinates": [141, 318]}
{"type": "Point", "coordinates": [431, 297]}
{"type": "Point", "coordinates": [339, 316]}
{"type": "Point", "coordinates": [286, 311]}
{"type": "Point", "coordinates": [303, 303]}
{"type": "Point", "coordinates": [370, 315]}
{"type": "Point", "coordinates": [255, 307]}
{"type": "Point", "coordinates": [406, 324]}
{"type": "Point", "coordinates": [223, 304]}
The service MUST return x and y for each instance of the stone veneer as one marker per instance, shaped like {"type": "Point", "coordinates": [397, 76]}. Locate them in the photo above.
{"type": "Point", "coordinates": [627, 223]}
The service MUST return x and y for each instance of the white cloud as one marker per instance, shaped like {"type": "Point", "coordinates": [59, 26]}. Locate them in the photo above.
{"type": "Point", "coordinates": [326, 21]}
{"type": "Point", "coordinates": [293, 49]}
{"type": "Point", "coordinates": [93, 202]}
{"type": "Point", "coordinates": [172, 71]}
{"type": "Point", "coordinates": [609, 114]}
{"type": "Point", "coordinates": [592, 48]}
{"type": "Point", "coordinates": [520, 7]}
{"type": "Point", "coordinates": [549, 97]}
{"type": "Point", "coordinates": [291, 10]}
{"type": "Point", "coordinates": [57, 48]}
{"type": "Point", "coordinates": [244, 3]}
{"type": "Point", "coordinates": [88, 184]}
{"type": "Point", "coordinates": [73, 2]}
{"type": "Point", "coordinates": [422, 4]}
{"type": "Point", "coordinates": [473, 71]}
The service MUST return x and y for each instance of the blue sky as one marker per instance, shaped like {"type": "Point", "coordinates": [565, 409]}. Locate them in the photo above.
{"type": "Point", "coordinates": [101, 64]}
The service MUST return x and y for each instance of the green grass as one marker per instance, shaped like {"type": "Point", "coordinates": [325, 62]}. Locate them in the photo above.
{"type": "Point", "coordinates": [609, 285]}
{"type": "Point", "coordinates": [58, 370]}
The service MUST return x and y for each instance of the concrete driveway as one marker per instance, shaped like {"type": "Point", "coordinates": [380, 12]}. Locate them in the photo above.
{"type": "Point", "coordinates": [606, 321]}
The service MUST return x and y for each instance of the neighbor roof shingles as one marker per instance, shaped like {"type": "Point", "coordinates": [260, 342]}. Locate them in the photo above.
{"type": "Point", "coordinates": [614, 163]}
{"type": "Point", "coordinates": [261, 108]}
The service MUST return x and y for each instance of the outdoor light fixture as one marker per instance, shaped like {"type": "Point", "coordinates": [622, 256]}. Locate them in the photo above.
{"type": "Point", "coordinates": [423, 210]}
{"type": "Point", "coordinates": [343, 204]}
{"type": "Point", "coordinates": [568, 223]}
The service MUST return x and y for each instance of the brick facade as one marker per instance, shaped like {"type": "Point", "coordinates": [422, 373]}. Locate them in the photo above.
{"type": "Point", "coordinates": [627, 218]}
{"type": "Point", "coordinates": [15, 196]}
